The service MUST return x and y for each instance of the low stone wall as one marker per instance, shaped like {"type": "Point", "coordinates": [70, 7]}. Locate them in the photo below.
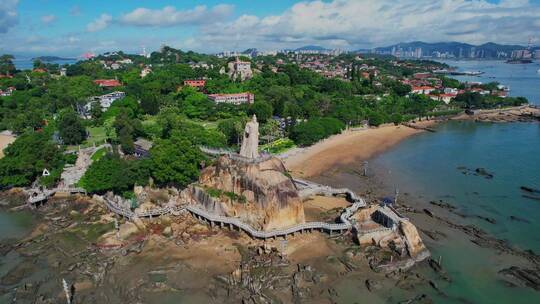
{"type": "Point", "coordinates": [374, 235]}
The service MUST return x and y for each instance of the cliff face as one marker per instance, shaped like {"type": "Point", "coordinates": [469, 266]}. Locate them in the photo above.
{"type": "Point", "coordinates": [261, 194]}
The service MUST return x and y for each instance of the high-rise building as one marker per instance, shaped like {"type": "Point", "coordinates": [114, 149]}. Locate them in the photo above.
{"type": "Point", "coordinates": [473, 52]}
{"type": "Point", "coordinates": [418, 53]}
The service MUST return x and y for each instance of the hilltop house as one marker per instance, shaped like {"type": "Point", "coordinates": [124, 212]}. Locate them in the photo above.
{"type": "Point", "coordinates": [142, 147]}
{"type": "Point", "coordinates": [446, 98]}
{"type": "Point", "coordinates": [144, 72]}
{"type": "Point", "coordinates": [236, 99]}
{"type": "Point", "coordinates": [105, 102]}
{"type": "Point", "coordinates": [8, 91]}
{"type": "Point", "coordinates": [240, 69]}
{"type": "Point", "coordinates": [195, 83]}
{"type": "Point", "coordinates": [107, 83]}
{"type": "Point", "coordinates": [422, 90]}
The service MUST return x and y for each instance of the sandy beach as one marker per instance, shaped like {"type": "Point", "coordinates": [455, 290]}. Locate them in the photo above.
{"type": "Point", "coordinates": [347, 148]}
{"type": "Point", "coordinates": [5, 140]}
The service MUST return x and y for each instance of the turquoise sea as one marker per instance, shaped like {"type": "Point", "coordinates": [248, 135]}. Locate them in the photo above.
{"type": "Point", "coordinates": [428, 167]}
{"type": "Point", "coordinates": [28, 63]}
{"type": "Point", "coordinates": [522, 79]}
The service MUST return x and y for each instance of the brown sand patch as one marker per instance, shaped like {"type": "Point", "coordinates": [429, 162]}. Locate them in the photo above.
{"type": "Point", "coordinates": [5, 140]}
{"type": "Point", "coordinates": [347, 148]}
{"type": "Point", "coordinates": [308, 246]}
{"type": "Point", "coordinates": [324, 208]}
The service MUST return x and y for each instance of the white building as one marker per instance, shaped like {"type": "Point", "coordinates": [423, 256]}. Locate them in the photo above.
{"type": "Point", "coordinates": [240, 69]}
{"type": "Point", "coordinates": [422, 90]}
{"type": "Point", "coordinates": [235, 99]}
{"type": "Point", "coordinates": [145, 72]}
{"type": "Point", "coordinates": [451, 91]}
{"type": "Point", "coordinates": [7, 92]}
{"type": "Point", "coordinates": [105, 102]}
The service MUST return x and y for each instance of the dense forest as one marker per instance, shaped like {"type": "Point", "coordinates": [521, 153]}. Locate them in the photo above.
{"type": "Point", "coordinates": [42, 111]}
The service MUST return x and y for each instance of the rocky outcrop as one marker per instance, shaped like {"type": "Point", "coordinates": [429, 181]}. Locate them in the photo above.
{"type": "Point", "coordinates": [414, 243]}
{"type": "Point", "coordinates": [261, 194]}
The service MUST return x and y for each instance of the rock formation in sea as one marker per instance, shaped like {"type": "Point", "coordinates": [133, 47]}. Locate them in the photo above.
{"type": "Point", "coordinates": [254, 189]}
{"type": "Point", "coordinates": [260, 194]}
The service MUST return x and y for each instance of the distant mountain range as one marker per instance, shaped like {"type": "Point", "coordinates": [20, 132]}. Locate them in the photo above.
{"type": "Point", "coordinates": [52, 58]}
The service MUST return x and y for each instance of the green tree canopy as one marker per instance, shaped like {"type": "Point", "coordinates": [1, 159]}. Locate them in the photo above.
{"type": "Point", "coordinates": [6, 65]}
{"type": "Point", "coordinates": [262, 109]}
{"type": "Point", "coordinates": [112, 173]}
{"type": "Point", "coordinates": [307, 133]}
{"type": "Point", "coordinates": [26, 158]}
{"type": "Point", "coordinates": [71, 128]}
{"type": "Point", "coordinates": [175, 161]}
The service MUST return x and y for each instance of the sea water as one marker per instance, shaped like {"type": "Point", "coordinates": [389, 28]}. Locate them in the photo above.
{"type": "Point", "coordinates": [522, 79]}
{"type": "Point", "coordinates": [431, 166]}
{"type": "Point", "coordinates": [28, 63]}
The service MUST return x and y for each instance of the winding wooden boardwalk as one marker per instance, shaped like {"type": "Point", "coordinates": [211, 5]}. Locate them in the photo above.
{"type": "Point", "coordinates": [203, 215]}
{"type": "Point", "coordinates": [37, 195]}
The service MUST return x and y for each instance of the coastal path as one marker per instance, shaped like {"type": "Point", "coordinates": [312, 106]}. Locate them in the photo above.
{"type": "Point", "coordinates": [37, 195]}
{"type": "Point", "coordinates": [214, 219]}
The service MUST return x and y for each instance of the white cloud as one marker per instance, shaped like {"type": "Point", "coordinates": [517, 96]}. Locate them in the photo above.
{"type": "Point", "coordinates": [100, 23]}
{"type": "Point", "coordinates": [170, 16]}
{"type": "Point", "coordinates": [47, 19]}
{"type": "Point", "coordinates": [8, 15]}
{"type": "Point", "coordinates": [368, 23]}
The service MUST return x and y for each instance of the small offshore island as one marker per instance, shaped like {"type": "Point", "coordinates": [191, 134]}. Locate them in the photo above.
{"type": "Point", "coordinates": [146, 183]}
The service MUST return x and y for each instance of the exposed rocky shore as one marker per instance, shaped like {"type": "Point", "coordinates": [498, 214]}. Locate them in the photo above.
{"type": "Point", "coordinates": [515, 114]}
{"type": "Point", "coordinates": [76, 240]}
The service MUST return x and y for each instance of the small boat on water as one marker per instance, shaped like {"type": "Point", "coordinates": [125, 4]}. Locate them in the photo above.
{"type": "Point", "coordinates": [538, 71]}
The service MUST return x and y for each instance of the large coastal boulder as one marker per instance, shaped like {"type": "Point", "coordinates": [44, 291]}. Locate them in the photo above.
{"type": "Point", "coordinates": [414, 243]}
{"type": "Point", "coordinates": [258, 193]}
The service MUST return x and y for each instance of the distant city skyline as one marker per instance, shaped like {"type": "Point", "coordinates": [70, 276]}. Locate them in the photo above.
{"type": "Point", "coordinates": [71, 28]}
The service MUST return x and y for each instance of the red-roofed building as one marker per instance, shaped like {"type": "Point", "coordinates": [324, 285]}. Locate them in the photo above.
{"type": "Point", "coordinates": [236, 99]}
{"type": "Point", "coordinates": [422, 90]}
{"type": "Point", "coordinates": [107, 83]}
{"type": "Point", "coordinates": [447, 97]}
{"type": "Point", "coordinates": [39, 70]}
{"type": "Point", "coordinates": [195, 83]}
{"type": "Point", "coordinates": [502, 94]}
{"type": "Point", "coordinates": [422, 75]}
{"type": "Point", "coordinates": [7, 92]}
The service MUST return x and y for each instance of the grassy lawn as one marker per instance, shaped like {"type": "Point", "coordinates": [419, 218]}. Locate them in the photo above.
{"type": "Point", "coordinates": [96, 135]}
{"type": "Point", "coordinates": [279, 146]}
{"type": "Point", "coordinates": [99, 154]}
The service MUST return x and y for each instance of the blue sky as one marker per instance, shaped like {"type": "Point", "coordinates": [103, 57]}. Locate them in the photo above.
{"type": "Point", "coordinates": [70, 28]}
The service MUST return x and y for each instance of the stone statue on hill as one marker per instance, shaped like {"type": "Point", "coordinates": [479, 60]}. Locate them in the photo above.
{"type": "Point", "coordinates": [250, 142]}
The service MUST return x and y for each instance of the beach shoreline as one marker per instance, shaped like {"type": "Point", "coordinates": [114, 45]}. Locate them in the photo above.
{"type": "Point", "coordinates": [447, 230]}
{"type": "Point", "coordinates": [5, 140]}
{"type": "Point", "coordinates": [349, 147]}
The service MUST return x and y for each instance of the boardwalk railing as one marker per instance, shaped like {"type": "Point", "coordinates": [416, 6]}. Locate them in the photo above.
{"type": "Point", "coordinates": [113, 206]}
{"type": "Point", "coordinates": [202, 214]}
{"type": "Point", "coordinates": [234, 155]}
{"type": "Point", "coordinates": [223, 220]}
{"type": "Point", "coordinates": [37, 195]}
